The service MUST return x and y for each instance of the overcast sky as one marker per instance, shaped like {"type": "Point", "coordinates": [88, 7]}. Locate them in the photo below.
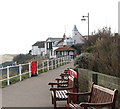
{"type": "Point", "coordinates": [23, 22]}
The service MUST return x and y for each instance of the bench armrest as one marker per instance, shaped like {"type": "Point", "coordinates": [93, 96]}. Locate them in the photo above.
{"type": "Point", "coordinates": [64, 74]}
{"type": "Point", "coordinates": [108, 104]}
{"type": "Point", "coordinates": [65, 88]}
{"type": "Point", "coordinates": [84, 93]}
{"type": "Point", "coordinates": [57, 83]}
{"type": "Point", "coordinates": [59, 79]}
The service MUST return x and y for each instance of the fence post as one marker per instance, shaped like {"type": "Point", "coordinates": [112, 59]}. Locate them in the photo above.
{"type": "Point", "coordinates": [43, 65]}
{"type": "Point", "coordinates": [37, 67]}
{"type": "Point", "coordinates": [8, 78]}
{"type": "Point", "coordinates": [20, 73]}
{"type": "Point", "coordinates": [52, 64]}
{"type": "Point", "coordinates": [29, 69]}
{"type": "Point", "coordinates": [58, 62]}
{"type": "Point", "coordinates": [48, 64]}
{"type": "Point", "coordinates": [65, 59]}
{"type": "Point", "coordinates": [61, 61]}
{"type": "Point", "coordinates": [55, 62]}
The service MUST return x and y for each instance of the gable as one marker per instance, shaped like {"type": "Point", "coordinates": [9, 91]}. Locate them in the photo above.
{"type": "Point", "coordinates": [40, 44]}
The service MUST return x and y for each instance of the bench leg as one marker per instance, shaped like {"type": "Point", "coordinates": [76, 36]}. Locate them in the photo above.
{"type": "Point", "coordinates": [68, 107]}
{"type": "Point", "coordinates": [52, 100]}
{"type": "Point", "coordinates": [67, 101]}
{"type": "Point", "coordinates": [54, 103]}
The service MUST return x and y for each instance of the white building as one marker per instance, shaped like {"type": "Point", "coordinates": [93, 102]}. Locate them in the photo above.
{"type": "Point", "coordinates": [38, 48]}
{"type": "Point", "coordinates": [49, 44]}
{"type": "Point", "coordinates": [119, 17]}
{"type": "Point", "coordinates": [68, 41]}
{"type": "Point", "coordinates": [77, 37]}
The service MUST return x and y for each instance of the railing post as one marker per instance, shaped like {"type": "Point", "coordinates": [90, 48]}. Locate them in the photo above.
{"type": "Point", "coordinates": [61, 61]}
{"type": "Point", "coordinates": [65, 59]}
{"type": "Point", "coordinates": [8, 78]}
{"type": "Point", "coordinates": [52, 64]}
{"type": "Point", "coordinates": [37, 67]}
{"type": "Point", "coordinates": [29, 69]}
{"type": "Point", "coordinates": [43, 65]}
{"type": "Point", "coordinates": [68, 58]}
{"type": "Point", "coordinates": [55, 62]}
{"type": "Point", "coordinates": [48, 64]}
{"type": "Point", "coordinates": [20, 72]}
{"type": "Point", "coordinates": [58, 62]}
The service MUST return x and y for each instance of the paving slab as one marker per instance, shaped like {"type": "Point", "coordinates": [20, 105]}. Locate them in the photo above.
{"type": "Point", "coordinates": [32, 92]}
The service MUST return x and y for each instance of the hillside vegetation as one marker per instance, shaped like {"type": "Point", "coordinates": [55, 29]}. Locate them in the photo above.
{"type": "Point", "coordinates": [101, 53]}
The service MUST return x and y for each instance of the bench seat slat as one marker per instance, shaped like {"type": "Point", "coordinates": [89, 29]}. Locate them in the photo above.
{"type": "Point", "coordinates": [61, 94]}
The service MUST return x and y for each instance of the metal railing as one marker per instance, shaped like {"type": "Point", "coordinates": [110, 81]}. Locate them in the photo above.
{"type": "Point", "coordinates": [10, 72]}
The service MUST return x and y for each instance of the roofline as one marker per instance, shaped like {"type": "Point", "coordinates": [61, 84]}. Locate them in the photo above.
{"type": "Point", "coordinates": [53, 38]}
{"type": "Point", "coordinates": [38, 41]}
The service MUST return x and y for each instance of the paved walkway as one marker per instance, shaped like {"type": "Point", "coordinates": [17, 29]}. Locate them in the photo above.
{"type": "Point", "coordinates": [33, 92]}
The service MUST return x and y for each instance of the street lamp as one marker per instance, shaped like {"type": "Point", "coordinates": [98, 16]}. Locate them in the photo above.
{"type": "Point", "coordinates": [83, 19]}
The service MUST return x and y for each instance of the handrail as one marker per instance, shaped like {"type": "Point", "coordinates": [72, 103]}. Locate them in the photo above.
{"type": "Point", "coordinates": [52, 63]}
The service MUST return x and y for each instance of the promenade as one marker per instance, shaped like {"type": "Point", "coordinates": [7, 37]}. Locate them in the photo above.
{"type": "Point", "coordinates": [32, 92]}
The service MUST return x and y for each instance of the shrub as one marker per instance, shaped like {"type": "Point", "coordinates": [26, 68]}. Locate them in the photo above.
{"type": "Point", "coordinates": [45, 70]}
{"type": "Point", "coordinates": [90, 49]}
{"type": "Point", "coordinates": [83, 60]}
{"type": "Point", "coordinates": [105, 53]}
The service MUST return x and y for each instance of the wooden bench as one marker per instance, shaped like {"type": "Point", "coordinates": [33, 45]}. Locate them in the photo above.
{"type": "Point", "coordinates": [64, 78]}
{"type": "Point", "coordinates": [59, 93]}
{"type": "Point", "coordinates": [99, 98]}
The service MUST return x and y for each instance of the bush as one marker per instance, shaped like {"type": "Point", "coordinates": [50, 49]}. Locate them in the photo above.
{"type": "Point", "coordinates": [104, 53]}
{"type": "Point", "coordinates": [83, 60]}
{"type": "Point", "coordinates": [90, 49]}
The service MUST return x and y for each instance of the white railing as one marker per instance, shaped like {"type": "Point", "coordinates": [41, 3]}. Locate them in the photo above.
{"type": "Point", "coordinates": [23, 69]}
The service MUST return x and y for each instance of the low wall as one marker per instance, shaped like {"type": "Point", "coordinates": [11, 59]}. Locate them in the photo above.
{"type": "Point", "coordinates": [86, 77]}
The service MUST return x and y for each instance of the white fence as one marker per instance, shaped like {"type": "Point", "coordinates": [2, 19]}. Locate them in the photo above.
{"type": "Point", "coordinates": [23, 69]}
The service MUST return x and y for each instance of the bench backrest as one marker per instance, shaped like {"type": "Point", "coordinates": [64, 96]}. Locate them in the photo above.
{"type": "Point", "coordinates": [100, 94]}
{"type": "Point", "coordinates": [71, 83]}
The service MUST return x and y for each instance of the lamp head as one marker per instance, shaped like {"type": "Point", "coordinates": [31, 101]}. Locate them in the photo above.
{"type": "Point", "coordinates": [83, 19]}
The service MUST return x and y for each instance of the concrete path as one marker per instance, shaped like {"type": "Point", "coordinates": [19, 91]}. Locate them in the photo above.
{"type": "Point", "coordinates": [33, 92]}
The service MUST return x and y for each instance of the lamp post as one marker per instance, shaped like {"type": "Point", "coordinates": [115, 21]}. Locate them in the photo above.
{"type": "Point", "coordinates": [83, 19]}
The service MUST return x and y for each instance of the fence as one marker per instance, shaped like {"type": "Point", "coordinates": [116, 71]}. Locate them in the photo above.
{"type": "Point", "coordinates": [10, 72]}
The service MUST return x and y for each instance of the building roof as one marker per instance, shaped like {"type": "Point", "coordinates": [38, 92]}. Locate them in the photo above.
{"type": "Point", "coordinates": [65, 48]}
{"type": "Point", "coordinates": [75, 28]}
{"type": "Point", "coordinates": [40, 44]}
{"type": "Point", "coordinates": [62, 40]}
{"type": "Point", "coordinates": [53, 39]}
